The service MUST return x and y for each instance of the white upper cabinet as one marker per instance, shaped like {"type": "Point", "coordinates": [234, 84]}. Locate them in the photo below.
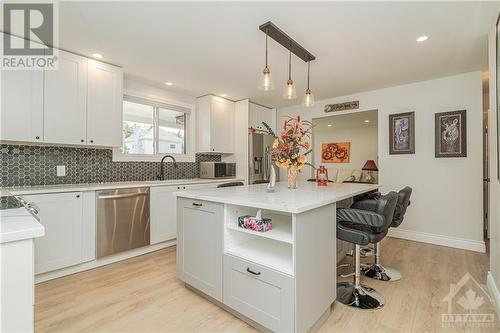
{"type": "Point", "coordinates": [215, 125]}
{"type": "Point", "coordinates": [65, 100]}
{"type": "Point", "coordinates": [21, 106]}
{"type": "Point", "coordinates": [78, 103]}
{"type": "Point", "coordinates": [21, 110]}
{"type": "Point", "coordinates": [104, 104]}
{"type": "Point", "coordinates": [258, 114]}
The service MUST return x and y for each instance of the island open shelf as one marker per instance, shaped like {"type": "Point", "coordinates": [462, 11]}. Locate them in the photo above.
{"type": "Point", "coordinates": [273, 248]}
{"type": "Point", "coordinates": [262, 251]}
{"type": "Point", "coordinates": [281, 223]}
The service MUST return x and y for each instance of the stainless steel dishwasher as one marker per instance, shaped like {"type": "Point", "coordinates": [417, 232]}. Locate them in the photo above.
{"type": "Point", "coordinates": [122, 218]}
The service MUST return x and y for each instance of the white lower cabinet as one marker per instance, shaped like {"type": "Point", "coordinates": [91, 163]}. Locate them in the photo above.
{"type": "Point", "coordinates": [162, 203]}
{"type": "Point", "coordinates": [62, 216]}
{"type": "Point", "coordinates": [163, 221]}
{"type": "Point", "coordinates": [199, 245]}
{"type": "Point", "coordinates": [259, 293]}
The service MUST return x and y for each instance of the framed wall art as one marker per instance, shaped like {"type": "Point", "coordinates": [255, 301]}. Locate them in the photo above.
{"type": "Point", "coordinates": [402, 133]}
{"type": "Point", "coordinates": [336, 152]}
{"type": "Point", "coordinates": [451, 134]}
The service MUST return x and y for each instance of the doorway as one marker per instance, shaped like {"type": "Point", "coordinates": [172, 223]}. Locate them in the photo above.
{"type": "Point", "coordinates": [345, 144]}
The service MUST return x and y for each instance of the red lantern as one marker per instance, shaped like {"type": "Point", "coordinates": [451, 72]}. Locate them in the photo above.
{"type": "Point", "coordinates": [322, 176]}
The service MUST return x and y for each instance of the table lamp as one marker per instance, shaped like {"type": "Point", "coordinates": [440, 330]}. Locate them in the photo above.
{"type": "Point", "coordinates": [369, 166]}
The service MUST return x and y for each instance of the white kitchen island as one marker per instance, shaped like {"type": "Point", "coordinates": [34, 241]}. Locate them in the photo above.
{"type": "Point", "coordinates": [283, 280]}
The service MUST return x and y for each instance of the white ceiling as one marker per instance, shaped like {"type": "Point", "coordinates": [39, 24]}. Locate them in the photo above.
{"type": "Point", "coordinates": [216, 47]}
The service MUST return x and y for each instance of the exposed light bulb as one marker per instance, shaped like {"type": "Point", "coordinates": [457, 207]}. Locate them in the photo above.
{"type": "Point", "coordinates": [308, 98]}
{"type": "Point", "coordinates": [290, 92]}
{"type": "Point", "coordinates": [266, 82]}
{"type": "Point", "coordinates": [97, 55]}
{"type": "Point", "coordinates": [422, 39]}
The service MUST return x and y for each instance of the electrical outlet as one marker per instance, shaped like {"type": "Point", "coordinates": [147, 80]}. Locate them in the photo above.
{"type": "Point", "coordinates": [61, 170]}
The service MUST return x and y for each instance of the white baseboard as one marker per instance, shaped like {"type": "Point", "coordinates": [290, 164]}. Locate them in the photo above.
{"type": "Point", "coordinates": [101, 262]}
{"type": "Point", "coordinates": [494, 293]}
{"type": "Point", "coordinates": [418, 236]}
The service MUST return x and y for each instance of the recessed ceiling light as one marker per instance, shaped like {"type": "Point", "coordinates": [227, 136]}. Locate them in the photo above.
{"type": "Point", "coordinates": [224, 95]}
{"type": "Point", "coordinates": [367, 121]}
{"type": "Point", "coordinates": [422, 38]}
{"type": "Point", "coordinates": [97, 55]}
{"type": "Point", "coordinates": [169, 83]}
{"type": "Point", "coordinates": [329, 125]}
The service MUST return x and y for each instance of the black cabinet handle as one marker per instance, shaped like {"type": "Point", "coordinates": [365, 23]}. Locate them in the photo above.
{"type": "Point", "coordinates": [184, 188]}
{"type": "Point", "coordinates": [197, 204]}
{"type": "Point", "coordinates": [82, 140]}
{"type": "Point", "coordinates": [37, 137]}
{"type": "Point", "coordinates": [252, 272]}
{"type": "Point", "coordinates": [78, 195]}
{"type": "Point", "coordinates": [91, 141]}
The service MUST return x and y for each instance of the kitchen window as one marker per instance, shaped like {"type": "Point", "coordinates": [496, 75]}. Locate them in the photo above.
{"type": "Point", "coordinates": [151, 129]}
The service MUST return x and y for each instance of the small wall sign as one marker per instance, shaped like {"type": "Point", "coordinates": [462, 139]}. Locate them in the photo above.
{"type": "Point", "coordinates": [342, 106]}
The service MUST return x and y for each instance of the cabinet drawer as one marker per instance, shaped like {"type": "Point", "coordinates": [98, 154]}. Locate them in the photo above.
{"type": "Point", "coordinates": [259, 293]}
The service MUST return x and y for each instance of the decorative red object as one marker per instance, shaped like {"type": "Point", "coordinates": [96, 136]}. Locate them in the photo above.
{"type": "Point", "coordinates": [322, 176]}
{"type": "Point", "coordinates": [370, 166]}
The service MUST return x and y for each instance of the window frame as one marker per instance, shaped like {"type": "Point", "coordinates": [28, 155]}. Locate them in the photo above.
{"type": "Point", "coordinates": [159, 102]}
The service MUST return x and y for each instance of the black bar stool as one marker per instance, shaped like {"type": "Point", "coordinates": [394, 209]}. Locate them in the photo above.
{"type": "Point", "coordinates": [362, 227]}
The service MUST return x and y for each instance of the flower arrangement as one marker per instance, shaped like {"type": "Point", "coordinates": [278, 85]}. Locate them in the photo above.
{"type": "Point", "coordinates": [291, 147]}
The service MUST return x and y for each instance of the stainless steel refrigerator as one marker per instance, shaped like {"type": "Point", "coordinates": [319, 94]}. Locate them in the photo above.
{"type": "Point", "coordinates": [259, 158]}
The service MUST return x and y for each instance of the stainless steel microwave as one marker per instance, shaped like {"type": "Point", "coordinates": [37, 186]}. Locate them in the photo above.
{"type": "Point", "coordinates": [212, 170]}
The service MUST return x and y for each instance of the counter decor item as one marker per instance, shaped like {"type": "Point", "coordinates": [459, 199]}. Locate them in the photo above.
{"type": "Point", "coordinates": [291, 147]}
{"type": "Point", "coordinates": [272, 181]}
{"type": "Point", "coordinates": [369, 166]}
{"type": "Point", "coordinates": [322, 176]}
{"type": "Point", "coordinates": [255, 223]}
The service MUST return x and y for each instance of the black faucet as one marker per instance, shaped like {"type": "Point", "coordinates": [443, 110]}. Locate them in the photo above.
{"type": "Point", "coordinates": [161, 176]}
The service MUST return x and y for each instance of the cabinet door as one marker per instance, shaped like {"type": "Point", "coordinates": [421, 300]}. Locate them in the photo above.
{"type": "Point", "coordinates": [65, 99]}
{"type": "Point", "coordinates": [104, 104]}
{"type": "Point", "coordinates": [259, 293]}
{"type": "Point", "coordinates": [22, 106]}
{"type": "Point", "coordinates": [199, 245]}
{"type": "Point", "coordinates": [222, 125]}
{"type": "Point", "coordinates": [163, 221]}
{"type": "Point", "coordinates": [61, 215]}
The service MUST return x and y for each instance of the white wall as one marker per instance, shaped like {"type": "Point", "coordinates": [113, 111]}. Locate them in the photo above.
{"type": "Point", "coordinates": [147, 89]}
{"type": "Point", "coordinates": [363, 138]}
{"type": "Point", "coordinates": [494, 213]}
{"type": "Point", "coordinates": [447, 192]}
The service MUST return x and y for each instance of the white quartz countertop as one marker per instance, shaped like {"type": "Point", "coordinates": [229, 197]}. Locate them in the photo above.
{"type": "Point", "coordinates": [18, 224]}
{"type": "Point", "coordinates": [306, 197]}
{"type": "Point", "coordinates": [21, 190]}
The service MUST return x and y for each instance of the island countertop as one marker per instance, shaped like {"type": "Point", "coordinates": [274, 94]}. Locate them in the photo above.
{"type": "Point", "coordinates": [306, 197]}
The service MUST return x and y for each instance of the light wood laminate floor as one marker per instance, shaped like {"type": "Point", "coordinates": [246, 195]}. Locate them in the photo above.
{"type": "Point", "coordinates": [143, 295]}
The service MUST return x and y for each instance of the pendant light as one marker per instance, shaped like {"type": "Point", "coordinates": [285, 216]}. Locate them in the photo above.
{"type": "Point", "coordinates": [308, 95]}
{"type": "Point", "coordinates": [289, 91]}
{"type": "Point", "coordinates": [266, 82]}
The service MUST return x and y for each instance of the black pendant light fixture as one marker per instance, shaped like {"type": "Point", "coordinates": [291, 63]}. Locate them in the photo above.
{"type": "Point", "coordinates": [282, 38]}
{"type": "Point", "coordinates": [290, 92]}
{"type": "Point", "coordinates": [266, 82]}
{"type": "Point", "coordinates": [308, 100]}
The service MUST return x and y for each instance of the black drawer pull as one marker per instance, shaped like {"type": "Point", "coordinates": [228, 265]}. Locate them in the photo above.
{"type": "Point", "coordinates": [252, 272]}
{"type": "Point", "coordinates": [197, 204]}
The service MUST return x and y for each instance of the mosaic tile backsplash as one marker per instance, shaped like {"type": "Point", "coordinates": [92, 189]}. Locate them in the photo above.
{"type": "Point", "coordinates": [23, 165]}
